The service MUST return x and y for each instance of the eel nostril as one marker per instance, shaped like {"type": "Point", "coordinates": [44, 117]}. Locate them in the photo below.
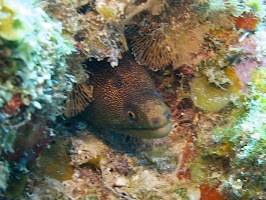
{"type": "Point", "coordinates": [155, 121]}
{"type": "Point", "coordinates": [168, 115]}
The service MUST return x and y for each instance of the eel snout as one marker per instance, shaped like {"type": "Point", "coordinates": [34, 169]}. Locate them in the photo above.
{"type": "Point", "coordinates": [159, 120]}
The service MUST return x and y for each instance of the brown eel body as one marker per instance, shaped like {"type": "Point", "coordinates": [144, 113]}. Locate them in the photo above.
{"type": "Point", "coordinates": [125, 100]}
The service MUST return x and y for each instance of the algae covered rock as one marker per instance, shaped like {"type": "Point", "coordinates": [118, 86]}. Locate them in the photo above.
{"type": "Point", "coordinates": [33, 67]}
{"type": "Point", "coordinates": [33, 76]}
{"type": "Point", "coordinates": [13, 24]}
{"type": "Point", "coordinates": [207, 96]}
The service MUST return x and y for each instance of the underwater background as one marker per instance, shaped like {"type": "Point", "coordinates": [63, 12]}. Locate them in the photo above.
{"type": "Point", "coordinates": [81, 118]}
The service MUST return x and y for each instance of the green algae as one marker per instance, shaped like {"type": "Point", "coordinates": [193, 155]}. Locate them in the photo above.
{"type": "Point", "coordinates": [258, 78]}
{"type": "Point", "coordinates": [182, 192]}
{"type": "Point", "coordinates": [93, 163]}
{"type": "Point", "coordinates": [207, 96]}
{"type": "Point", "coordinates": [54, 162]}
{"type": "Point", "coordinates": [237, 145]}
{"type": "Point", "coordinates": [16, 186]}
{"type": "Point", "coordinates": [217, 83]}
{"type": "Point", "coordinates": [12, 24]}
{"type": "Point", "coordinates": [243, 140]}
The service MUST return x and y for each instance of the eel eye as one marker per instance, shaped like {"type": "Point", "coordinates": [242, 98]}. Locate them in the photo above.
{"type": "Point", "coordinates": [131, 115]}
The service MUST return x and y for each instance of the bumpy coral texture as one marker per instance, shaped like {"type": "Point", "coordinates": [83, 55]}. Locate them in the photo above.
{"type": "Point", "coordinates": [32, 75]}
{"type": "Point", "coordinates": [174, 34]}
{"type": "Point", "coordinates": [95, 27]}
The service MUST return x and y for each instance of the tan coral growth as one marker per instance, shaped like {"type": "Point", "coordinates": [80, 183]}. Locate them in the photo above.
{"type": "Point", "coordinates": [169, 38]}
{"type": "Point", "coordinates": [165, 45]}
{"type": "Point", "coordinates": [155, 40]}
{"type": "Point", "coordinates": [93, 25]}
{"type": "Point", "coordinates": [175, 35]}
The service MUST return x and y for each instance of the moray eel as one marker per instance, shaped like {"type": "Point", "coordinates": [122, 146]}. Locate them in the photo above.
{"type": "Point", "coordinates": [126, 101]}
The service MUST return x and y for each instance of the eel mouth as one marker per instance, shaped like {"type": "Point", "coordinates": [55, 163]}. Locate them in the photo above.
{"type": "Point", "coordinates": [146, 133]}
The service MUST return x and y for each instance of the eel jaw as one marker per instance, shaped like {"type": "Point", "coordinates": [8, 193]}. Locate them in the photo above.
{"type": "Point", "coordinates": [159, 132]}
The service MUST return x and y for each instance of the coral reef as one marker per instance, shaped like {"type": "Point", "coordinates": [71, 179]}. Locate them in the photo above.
{"type": "Point", "coordinates": [245, 143]}
{"type": "Point", "coordinates": [32, 77]}
{"type": "Point", "coordinates": [174, 34]}
{"type": "Point", "coordinates": [210, 71]}
{"type": "Point", "coordinates": [94, 26]}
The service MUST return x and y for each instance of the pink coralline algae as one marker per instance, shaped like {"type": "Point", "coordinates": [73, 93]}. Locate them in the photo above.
{"type": "Point", "coordinates": [243, 72]}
